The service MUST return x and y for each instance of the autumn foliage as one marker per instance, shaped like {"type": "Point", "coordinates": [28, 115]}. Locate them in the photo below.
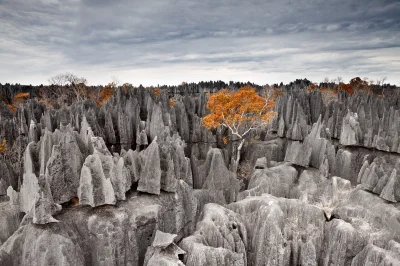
{"type": "Point", "coordinates": [157, 92]}
{"type": "Point", "coordinates": [3, 146]}
{"type": "Point", "coordinates": [18, 99]}
{"type": "Point", "coordinates": [105, 94]}
{"type": "Point", "coordinates": [355, 84]}
{"type": "Point", "coordinates": [171, 103]}
{"type": "Point", "coordinates": [241, 111]}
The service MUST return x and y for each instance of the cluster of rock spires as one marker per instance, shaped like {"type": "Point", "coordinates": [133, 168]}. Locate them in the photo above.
{"type": "Point", "coordinates": [140, 182]}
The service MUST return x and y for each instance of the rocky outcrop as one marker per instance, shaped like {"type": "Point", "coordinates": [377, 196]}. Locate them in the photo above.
{"type": "Point", "coordinates": [104, 235]}
{"type": "Point", "coordinates": [49, 245]}
{"type": "Point", "coordinates": [163, 251]}
{"type": "Point", "coordinates": [217, 177]}
{"type": "Point", "coordinates": [156, 122]}
{"type": "Point", "coordinates": [272, 150]}
{"type": "Point", "coordinates": [150, 177]}
{"type": "Point", "coordinates": [63, 167]}
{"type": "Point", "coordinates": [382, 177]}
{"type": "Point", "coordinates": [373, 255]}
{"type": "Point", "coordinates": [9, 220]}
{"type": "Point", "coordinates": [364, 212]}
{"type": "Point", "coordinates": [45, 207]}
{"type": "Point", "coordinates": [278, 181]}
{"type": "Point", "coordinates": [286, 231]}
{"type": "Point", "coordinates": [350, 134]}
{"type": "Point", "coordinates": [29, 192]}
{"type": "Point", "coordinates": [95, 188]}
{"type": "Point", "coordinates": [298, 154]}
{"type": "Point", "coordinates": [8, 177]}
{"type": "Point", "coordinates": [256, 231]}
{"type": "Point", "coordinates": [122, 199]}
{"type": "Point", "coordinates": [220, 239]}
{"type": "Point", "coordinates": [315, 151]}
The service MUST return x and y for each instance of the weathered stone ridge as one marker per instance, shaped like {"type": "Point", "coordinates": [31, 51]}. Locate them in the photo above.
{"type": "Point", "coordinates": [139, 181]}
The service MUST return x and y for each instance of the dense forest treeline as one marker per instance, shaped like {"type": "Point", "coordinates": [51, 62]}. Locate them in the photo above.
{"type": "Point", "coordinates": [9, 91]}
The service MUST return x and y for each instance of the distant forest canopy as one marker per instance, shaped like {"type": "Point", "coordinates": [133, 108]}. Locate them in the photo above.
{"type": "Point", "coordinates": [66, 88]}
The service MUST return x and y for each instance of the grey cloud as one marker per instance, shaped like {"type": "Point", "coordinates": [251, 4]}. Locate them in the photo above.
{"type": "Point", "coordinates": [42, 37]}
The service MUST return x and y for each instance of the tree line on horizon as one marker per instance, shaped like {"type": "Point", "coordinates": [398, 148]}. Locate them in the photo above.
{"type": "Point", "coordinates": [66, 88]}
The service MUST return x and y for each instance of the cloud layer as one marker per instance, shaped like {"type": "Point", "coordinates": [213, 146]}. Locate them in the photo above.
{"type": "Point", "coordinates": [166, 42]}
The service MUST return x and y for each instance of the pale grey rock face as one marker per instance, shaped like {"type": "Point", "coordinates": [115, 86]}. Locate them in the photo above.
{"type": "Point", "coordinates": [256, 231]}
{"type": "Point", "coordinates": [342, 243]}
{"type": "Point", "coordinates": [33, 132]}
{"type": "Point", "coordinates": [124, 129]}
{"type": "Point", "coordinates": [298, 153]}
{"type": "Point", "coordinates": [281, 231]}
{"type": "Point", "coordinates": [150, 177]}
{"type": "Point", "coordinates": [142, 138]}
{"type": "Point", "coordinates": [133, 163]}
{"type": "Point", "coordinates": [163, 251]}
{"type": "Point", "coordinates": [182, 121]}
{"type": "Point", "coordinates": [120, 178]}
{"type": "Point", "coordinates": [9, 220]}
{"type": "Point", "coordinates": [294, 119]}
{"type": "Point", "coordinates": [168, 179]}
{"type": "Point", "coordinates": [272, 150]}
{"type": "Point", "coordinates": [218, 177]}
{"type": "Point", "coordinates": [29, 192]}
{"type": "Point", "coordinates": [185, 208]}
{"type": "Point", "coordinates": [156, 122]}
{"type": "Point", "coordinates": [46, 147]}
{"type": "Point", "coordinates": [29, 158]}
{"type": "Point", "coordinates": [205, 196]}
{"type": "Point", "coordinates": [44, 207]}
{"type": "Point", "coordinates": [373, 255]}
{"type": "Point", "coordinates": [321, 148]}
{"type": "Point", "coordinates": [382, 177]}
{"type": "Point", "coordinates": [174, 164]}
{"type": "Point", "coordinates": [391, 192]}
{"type": "Point", "coordinates": [315, 150]}
{"type": "Point", "coordinates": [261, 163]}
{"type": "Point", "coordinates": [277, 181]}
{"type": "Point", "coordinates": [371, 216]}
{"type": "Point", "coordinates": [95, 188]}
{"type": "Point", "coordinates": [312, 215]}
{"type": "Point", "coordinates": [34, 245]}
{"type": "Point", "coordinates": [86, 132]}
{"type": "Point", "coordinates": [346, 165]}
{"type": "Point", "coordinates": [350, 130]}
{"type": "Point", "coordinates": [106, 235]}
{"type": "Point", "coordinates": [63, 168]}
{"type": "Point", "coordinates": [13, 196]}
{"type": "Point", "coordinates": [220, 239]}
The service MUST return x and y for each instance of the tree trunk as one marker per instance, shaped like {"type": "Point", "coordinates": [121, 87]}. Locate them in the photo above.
{"type": "Point", "coordinates": [236, 161]}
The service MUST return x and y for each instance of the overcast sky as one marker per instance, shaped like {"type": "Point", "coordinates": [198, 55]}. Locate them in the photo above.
{"type": "Point", "coordinates": [154, 42]}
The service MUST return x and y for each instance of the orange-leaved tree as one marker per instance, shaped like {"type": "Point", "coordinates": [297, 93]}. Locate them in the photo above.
{"type": "Point", "coordinates": [106, 93]}
{"type": "Point", "coordinates": [171, 102]}
{"type": "Point", "coordinates": [157, 92]}
{"type": "Point", "coordinates": [18, 100]}
{"type": "Point", "coordinates": [3, 146]}
{"type": "Point", "coordinates": [241, 112]}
